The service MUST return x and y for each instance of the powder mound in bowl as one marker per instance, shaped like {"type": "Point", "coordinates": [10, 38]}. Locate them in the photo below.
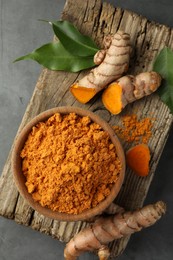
{"type": "Point", "coordinates": [70, 163]}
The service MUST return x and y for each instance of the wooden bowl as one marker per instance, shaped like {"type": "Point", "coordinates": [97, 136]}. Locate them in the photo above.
{"type": "Point", "coordinates": [20, 179]}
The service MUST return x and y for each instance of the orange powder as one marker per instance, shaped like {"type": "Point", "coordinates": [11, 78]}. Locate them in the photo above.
{"type": "Point", "coordinates": [70, 163]}
{"type": "Point", "coordinates": [134, 130]}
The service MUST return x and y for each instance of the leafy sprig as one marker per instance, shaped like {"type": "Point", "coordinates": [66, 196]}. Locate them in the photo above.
{"type": "Point", "coordinates": [164, 66]}
{"type": "Point", "coordinates": [74, 51]}
{"type": "Point", "coordinates": [72, 40]}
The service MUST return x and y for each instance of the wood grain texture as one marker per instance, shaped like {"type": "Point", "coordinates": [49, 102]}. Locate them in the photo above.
{"type": "Point", "coordinates": [52, 89]}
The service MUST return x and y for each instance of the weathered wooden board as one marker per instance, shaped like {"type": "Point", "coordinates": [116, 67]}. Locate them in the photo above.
{"type": "Point", "coordinates": [52, 89]}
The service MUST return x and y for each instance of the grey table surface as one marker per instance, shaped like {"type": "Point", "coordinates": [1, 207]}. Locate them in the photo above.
{"type": "Point", "coordinates": [20, 33]}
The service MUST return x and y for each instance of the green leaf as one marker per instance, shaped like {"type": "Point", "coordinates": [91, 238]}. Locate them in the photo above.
{"type": "Point", "coordinates": [164, 66]}
{"type": "Point", "coordinates": [55, 57]}
{"type": "Point", "coordinates": [72, 40]}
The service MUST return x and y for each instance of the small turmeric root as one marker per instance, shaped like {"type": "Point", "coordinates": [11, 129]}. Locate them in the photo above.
{"type": "Point", "coordinates": [103, 253]}
{"type": "Point", "coordinates": [129, 88]}
{"type": "Point", "coordinates": [113, 62]}
{"type": "Point", "coordinates": [138, 158]}
{"type": "Point", "coordinates": [105, 230]}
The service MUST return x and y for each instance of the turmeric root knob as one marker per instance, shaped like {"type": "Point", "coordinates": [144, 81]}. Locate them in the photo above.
{"type": "Point", "coordinates": [103, 253]}
{"type": "Point", "coordinates": [113, 63]}
{"type": "Point", "coordinates": [107, 229]}
{"type": "Point", "coordinates": [129, 88]}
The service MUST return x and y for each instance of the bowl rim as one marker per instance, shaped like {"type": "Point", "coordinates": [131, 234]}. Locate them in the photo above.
{"type": "Point", "coordinates": [16, 164]}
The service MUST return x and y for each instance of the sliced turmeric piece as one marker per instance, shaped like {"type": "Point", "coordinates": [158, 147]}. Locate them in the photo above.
{"type": "Point", "coordinates": [111, 98]}
{"type": "Point", "coordinates": [82, 94]}
{"type": "Point", "coordinates": [138, 158]}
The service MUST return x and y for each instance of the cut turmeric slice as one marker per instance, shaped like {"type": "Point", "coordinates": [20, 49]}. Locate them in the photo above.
{"type": "Point", "coordinates": [111, 98]}
{"type": "Point", "coordinates": [82, 94]}
{"type": "Point", "coordinates": [138, 158]}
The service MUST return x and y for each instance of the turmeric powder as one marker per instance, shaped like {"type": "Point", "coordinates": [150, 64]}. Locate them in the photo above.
{"type": "Point", "coordinates": [70, 163]}
{"type": "Point", "coordinates": [134, 130]}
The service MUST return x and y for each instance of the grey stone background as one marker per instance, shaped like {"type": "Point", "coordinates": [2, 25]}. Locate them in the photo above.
{"type": "Point", "coordinates": [20, 33]}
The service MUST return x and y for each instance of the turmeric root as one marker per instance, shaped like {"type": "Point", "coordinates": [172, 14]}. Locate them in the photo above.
{"type": "Point", "coordinates": [129, 88]}
{"type": "Point", "coordinates": [103, 253]}
{"type": "Point", "coordinates": [113, 209]}
{"type": "Point", "coordinates": [113, 62]}
{"type": "Point", "coordinates": [107, 229]}
{"type": "Point", "coordinates": [138, 158]}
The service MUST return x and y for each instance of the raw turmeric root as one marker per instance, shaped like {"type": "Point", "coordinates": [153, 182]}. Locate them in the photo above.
{"type": "Point", "coordinates": [138, 158]}
{"type": "Point", "coordinates": [129, 88]}
{"type": "Point", "coordinates": [103, 253]}
{"type": "Point", "coordinates": [113, 62]}
{"type": "Point", "coordinates": [113, 209]}
{"type": "Point", "coordinates": [105, 230]}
